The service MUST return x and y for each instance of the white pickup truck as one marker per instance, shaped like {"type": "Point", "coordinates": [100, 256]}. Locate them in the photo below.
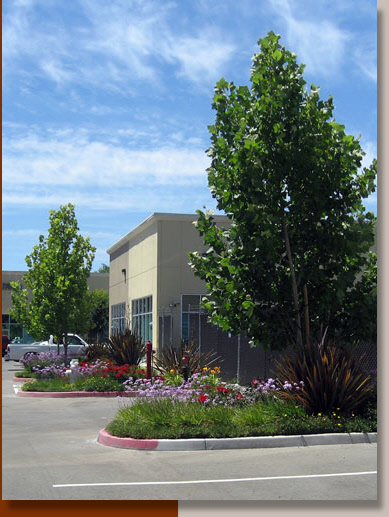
{"type": "Point", "coordinates": [76, 347]}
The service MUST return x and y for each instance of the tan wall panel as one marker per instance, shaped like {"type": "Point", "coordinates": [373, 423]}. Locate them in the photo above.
{"type": "Point", "coordinates": [142, 279]}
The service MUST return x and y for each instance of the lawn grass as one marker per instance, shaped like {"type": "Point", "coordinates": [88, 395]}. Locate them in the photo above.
{"type": "Point", "coordinates": [171, 419]}
{"type": "Point", "coordinates": [48, 385]}
{"type": "Point", "coordinates": [24, 374]}
{"type": "Point", "coordinates": [97, 384]}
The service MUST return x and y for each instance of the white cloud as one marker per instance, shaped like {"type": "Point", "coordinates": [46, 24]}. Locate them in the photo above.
{"type": "Point", "coordinates": [22, 233]}
{"type": "Point", "coordinates": [117, 43]}
{"type": "Point", "coordinates": [72, 159]}
{"type": "Point", "coordinates": [319, 43]}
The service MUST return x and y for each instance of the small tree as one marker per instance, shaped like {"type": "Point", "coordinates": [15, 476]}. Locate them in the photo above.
{"type": "Point", "coordinates": [55, 298]}
{"type": "Point", "coordinates": [295, 259]}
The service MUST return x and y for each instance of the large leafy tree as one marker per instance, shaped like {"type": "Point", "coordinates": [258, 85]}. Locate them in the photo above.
{"type": "Point", "coordinates": [295, 259]}
{"type": "Point", "coordinates": [55, 297]}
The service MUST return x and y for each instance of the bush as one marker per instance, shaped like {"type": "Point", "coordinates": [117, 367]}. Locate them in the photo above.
{"type": "Point", "coordinates": [171, 358]}
{"type": "Point", "coordinates": [126, 348]}
{"type": "Point", "coordinates": [333, 377]}
{"type": "Point", "coordinates": [96, 351]}
{"type": "Point", "coordinates": [98, 384]}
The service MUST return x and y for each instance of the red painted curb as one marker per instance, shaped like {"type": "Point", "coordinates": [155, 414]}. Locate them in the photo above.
{"type": "Point", "coordinates": [105, 438]}
{"type": "Point", "coordinates": [70, 394]}
{"type": "Point", "coordinates": [16, 379]}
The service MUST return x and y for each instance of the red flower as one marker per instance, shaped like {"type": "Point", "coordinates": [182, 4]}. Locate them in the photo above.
{"type": "Point", "coordinates": [202, 398]}
{"type": "Point", "coordinates": [239, 396]}
{"type": "Point", "coordinates": [222, 389]}
{"type": "Point", "coordinates": [208, 387]}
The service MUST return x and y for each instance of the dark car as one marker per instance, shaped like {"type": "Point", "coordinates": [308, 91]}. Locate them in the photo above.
{"type": "Point", "coordinates": [5, 342]}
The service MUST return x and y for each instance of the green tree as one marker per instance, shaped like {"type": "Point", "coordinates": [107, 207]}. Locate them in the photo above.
{"type": "Point", "coordinates": [99, 318]}
{"type": "Point", "coordinates": [289, 178]}
{"type": "Point", "coordinates": [104, 268]}
{"type": "Point", "coordinates": [55, 298]}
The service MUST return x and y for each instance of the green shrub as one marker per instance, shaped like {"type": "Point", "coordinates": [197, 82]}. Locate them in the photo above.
{"type": "Point", "coordinates": [98, 384]}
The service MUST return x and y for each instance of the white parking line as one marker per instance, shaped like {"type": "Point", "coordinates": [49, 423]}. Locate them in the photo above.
{"type": "Point", "coordinates": [206, 481]}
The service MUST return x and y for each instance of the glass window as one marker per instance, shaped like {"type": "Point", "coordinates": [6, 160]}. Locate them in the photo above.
{"type": "Point", "coordinates": [118, 318]}
{"type": "Point", "coordinates": [142, 317]}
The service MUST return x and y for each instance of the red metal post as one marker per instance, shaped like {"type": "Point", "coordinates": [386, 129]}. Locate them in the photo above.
{"type": "Point", "coordinates": [149, 349]}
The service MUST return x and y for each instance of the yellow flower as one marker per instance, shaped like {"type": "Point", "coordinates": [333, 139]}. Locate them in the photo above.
{"type": "Point", "coordinates": [319, 414]}
{"type": "Point", "coordinates": [205, 369]}
{"type": "Point", "coordinates": [339, 425]}
{"type": "Point", "coordinates": [171, 371]}
{"type": "Point", "coordinates": [285, 414]}
{"type": "Point", "coordinates": [213, 371]}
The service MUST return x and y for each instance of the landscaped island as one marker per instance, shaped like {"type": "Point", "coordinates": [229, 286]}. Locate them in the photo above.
{"type": "Point", "coordinates": [203, 406]}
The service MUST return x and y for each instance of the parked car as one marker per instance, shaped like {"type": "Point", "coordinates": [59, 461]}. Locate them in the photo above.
{"type": "Point", "coordinates": [76, 347]}
{"type": "Point", "coordinates": [4, 343]}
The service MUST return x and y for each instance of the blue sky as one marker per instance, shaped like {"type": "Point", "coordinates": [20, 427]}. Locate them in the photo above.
{"type": "Point", "coordinates": [106, 104]}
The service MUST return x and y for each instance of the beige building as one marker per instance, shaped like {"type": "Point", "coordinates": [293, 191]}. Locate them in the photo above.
{"type": "Point", "coordinates": [152, 288]}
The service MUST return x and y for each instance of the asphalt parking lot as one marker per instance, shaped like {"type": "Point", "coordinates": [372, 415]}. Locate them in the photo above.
{"type": "Point", "coordinates": [50, 452]}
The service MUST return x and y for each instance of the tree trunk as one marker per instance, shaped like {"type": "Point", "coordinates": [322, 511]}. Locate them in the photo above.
{"type": "Point", "coordinates": [306, 316]}
{"type": "Point", "coordinates": [299, 337]}
{"type": "Point", "coordinates": [65, 347]}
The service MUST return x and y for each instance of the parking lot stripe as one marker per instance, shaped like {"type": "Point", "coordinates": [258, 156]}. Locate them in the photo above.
{"type": "Point", "coordinates": [206, 481]}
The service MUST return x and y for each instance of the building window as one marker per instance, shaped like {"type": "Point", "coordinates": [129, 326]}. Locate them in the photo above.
{"type": "Point", "coordinates": [142, 317]}
{"type": "Point", "coordinates": [14, 330]}
{"type": "Point", "coordinates": [118, 318]}
{"type": "Point", "coordinates": [191, 311]}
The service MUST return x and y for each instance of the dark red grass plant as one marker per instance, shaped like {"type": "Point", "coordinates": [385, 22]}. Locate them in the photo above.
{"type": "Point", "coordinates": [333, 376]}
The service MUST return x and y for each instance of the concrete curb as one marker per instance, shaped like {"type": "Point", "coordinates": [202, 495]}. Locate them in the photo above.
{"type": "Point", "coordinates": [18, 379]}
{"type": "Point", "coordinates": [258, 442]}
{"type": "Point", "coordinates": [70, 394]}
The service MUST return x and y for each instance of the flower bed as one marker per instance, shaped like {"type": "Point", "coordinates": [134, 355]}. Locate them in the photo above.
{"type": "Point", "coordinates": [203, 406]}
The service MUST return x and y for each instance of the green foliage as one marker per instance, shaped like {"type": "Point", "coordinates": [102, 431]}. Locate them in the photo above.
{"type": "Point", "coordinates": [126, 348]}
{"type": "Point", "coordinates": [171, 358]}
{"type": "Point", "coordinates": [333, 376]}
{"type": "Point", "coordinates": [99, 317]}
{"type": "Point", "coordinates": [167, 418]}
{"type": "Point", "coordinates": [48, 385]}
{"type": "Point", "coordinates": [289, 178]}
{"type": "Point", "coordinates": [98, 384]}
{"type": "Point", "coordinates": [54, 300]}
{"type": "Point", "coordinates": [104, 268]}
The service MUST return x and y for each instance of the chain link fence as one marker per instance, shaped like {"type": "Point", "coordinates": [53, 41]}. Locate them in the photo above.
{"type": "Point", "coordinates": [238, 360]}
